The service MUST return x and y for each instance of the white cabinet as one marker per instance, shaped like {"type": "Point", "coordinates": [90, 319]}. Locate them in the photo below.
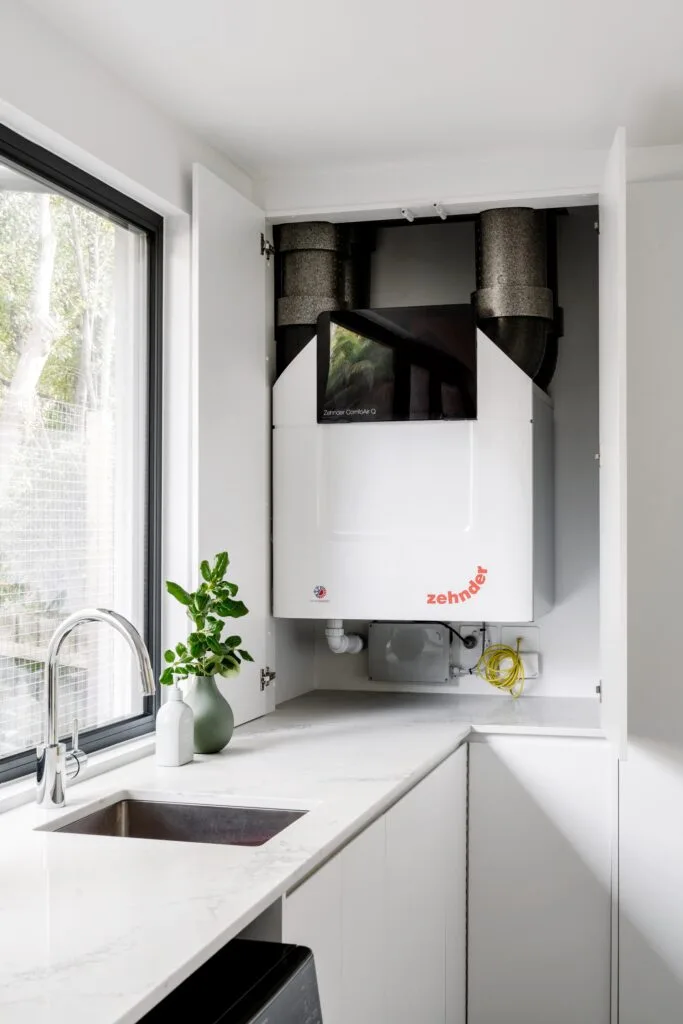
{"type": "Point", "coordinates": [363, 927]}
{"type": "Point", "coordinates": [312, 916]}
{"type": "Point", "coordinates": [612, 398]}
{"type": "Point", "coordinates": [651, 779]}
{"type": "Point", "coordinates": [540, 828]}
{"type": "Point", "coordinates": [230, 300]}
{"type": "Point", "coordinates": [231, 399]}
{"type": "Point", "coordinates": [426, 864]}
{"type": "Point", "coordinates": [385, 918]}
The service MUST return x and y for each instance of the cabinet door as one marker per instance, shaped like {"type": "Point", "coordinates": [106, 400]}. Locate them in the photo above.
{"type": "Point", "coordinates": [425, 900]}
{"type": "Point", "coordinates": [651, 780]}
{"type": "Point", "coordinates": [540, 814]}
{"type": "Point", "coordinates": [363, 864]}
{"type": "Point", "coordinates": [232, 398]}
{"type": "Point", "coordinates": [454, 867]}
{"type": "Point", "coordinates": [613, 624]}
{"type": "Point", "coordinates": [312, 917]}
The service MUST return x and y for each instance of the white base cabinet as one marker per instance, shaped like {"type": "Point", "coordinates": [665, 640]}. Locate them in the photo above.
{"type": "Point", "coordinates": [540, 831]}
{"type": "Point", "coordinates": [511, 879]}
{"type": "Point", "coordinates": [425, 895]}
{"type": "Point", "coordinates": [385, 917]}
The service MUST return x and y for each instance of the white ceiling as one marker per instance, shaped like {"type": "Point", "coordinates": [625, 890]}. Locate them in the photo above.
{"type": "Point", "coordinates": [290, 83]}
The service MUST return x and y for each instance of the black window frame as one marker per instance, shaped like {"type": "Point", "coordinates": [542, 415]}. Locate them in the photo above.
{"type": "Point", "coordinates": [84, 187]}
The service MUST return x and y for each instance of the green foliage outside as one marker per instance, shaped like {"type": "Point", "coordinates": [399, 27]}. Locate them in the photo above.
{"type": "Point", "coordinates": [76, 340]}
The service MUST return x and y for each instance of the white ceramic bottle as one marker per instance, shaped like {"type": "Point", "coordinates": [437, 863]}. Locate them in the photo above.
{"type": "Point", "coordinates": [175, 731]}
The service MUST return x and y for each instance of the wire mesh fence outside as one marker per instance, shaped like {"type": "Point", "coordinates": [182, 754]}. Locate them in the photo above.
{"type": "Point", "coordinates": [73, 364]}
{"type": "Point", "coordinates": [56, 555]}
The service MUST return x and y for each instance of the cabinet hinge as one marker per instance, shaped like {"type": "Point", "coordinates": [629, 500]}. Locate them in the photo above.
{"type": "Point", "coordinates": [596, 225]}
{"type": "Point", "coordinates": [598, 690]}
{"type": "Point", "coordinates": [267, 677]}
{"type": "Point", "coordinates": [267, 248]}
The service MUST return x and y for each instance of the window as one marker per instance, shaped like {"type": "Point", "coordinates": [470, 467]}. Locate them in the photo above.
{"type": "Point", "coordinates": [80, 374]}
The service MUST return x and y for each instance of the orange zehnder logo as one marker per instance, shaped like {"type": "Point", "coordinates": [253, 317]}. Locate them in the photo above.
{"type": "Point", "coordinates": [460, 596]}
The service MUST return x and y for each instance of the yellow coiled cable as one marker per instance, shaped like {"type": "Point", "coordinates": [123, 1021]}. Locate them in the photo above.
{"type": "Point", "coordinates": [510, 678]}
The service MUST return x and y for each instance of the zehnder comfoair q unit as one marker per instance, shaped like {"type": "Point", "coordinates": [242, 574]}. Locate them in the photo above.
{"type": "Point", "coordinates": [412, 473]}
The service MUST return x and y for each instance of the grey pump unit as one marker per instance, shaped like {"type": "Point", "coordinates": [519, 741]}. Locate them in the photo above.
{"type": "Point", "coordinates": [513, 304]}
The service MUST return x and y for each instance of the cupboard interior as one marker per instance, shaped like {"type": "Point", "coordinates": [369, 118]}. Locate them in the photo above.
{"type": "Point", "coordinates": [433, 262]}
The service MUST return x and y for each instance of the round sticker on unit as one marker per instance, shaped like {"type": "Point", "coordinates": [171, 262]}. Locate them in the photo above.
{"type": "Point", "coordinates": [320, 592]}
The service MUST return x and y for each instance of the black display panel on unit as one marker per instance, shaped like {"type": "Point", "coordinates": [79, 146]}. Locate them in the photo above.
{"type": "Point", "coordinates": [403, 363]}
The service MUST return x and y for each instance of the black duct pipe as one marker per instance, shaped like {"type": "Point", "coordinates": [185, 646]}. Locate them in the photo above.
{"type": "Point", "coordinates": [513, 304]}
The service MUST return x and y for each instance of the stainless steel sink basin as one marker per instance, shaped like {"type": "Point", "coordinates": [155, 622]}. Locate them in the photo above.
{"type": "Point", "coordinates": [185, 823]}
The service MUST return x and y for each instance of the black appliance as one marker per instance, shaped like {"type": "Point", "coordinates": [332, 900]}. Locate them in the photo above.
{"type": "Point", "coordinates": [247, 982]}
{"type": "Point", "coordinates": [403, 363]}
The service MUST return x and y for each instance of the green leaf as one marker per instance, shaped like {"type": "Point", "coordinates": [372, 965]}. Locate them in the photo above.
{"type": "Point", "coordinates": [205, 570]}
{"type": "Point", "coordinates": [220, 565]}
{"type": "Point", "coordinates": [246, 655]}
{"type": "Point", "coordinates": [182, 670]}
{"type": "Point", "coordinates": [233, 641]}
{"type": "Point", "coordinates": [181, 650]}
{"type": "Point", "coordinates": [230, 665]}
{"type": "Point", "coordinates": [166, 677]}
{"type": "Point", "coordinates": [197, 648]}
{"type": "Point", "coordinates": [232, 588]}
{"type": "Point", "coordinates": [175, 590]}
{"type": "Point", "coordinates": [215, 646]}
{"type": "Point", "coordinates": [169, 655]}
{"type": "Point", "coordinates": [201, 601]}
{"type": "Point", "coordinates": [232, 609]}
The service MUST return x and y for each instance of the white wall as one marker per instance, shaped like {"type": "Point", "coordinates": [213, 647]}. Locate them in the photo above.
{"type": "Point", "coordinates": [435, 264]}
{"type": "Point", "coordinates": [56, 95]}
{"type": "Point", "coordinates": [53, 92]}
{"type": "Point", "coordinates": [651, 779]}
{"type": "Point", "coordinates": [476, 181]}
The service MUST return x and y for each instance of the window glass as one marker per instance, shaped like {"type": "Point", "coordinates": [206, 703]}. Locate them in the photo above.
{"type": "Point", "coordinates": [73, 446]}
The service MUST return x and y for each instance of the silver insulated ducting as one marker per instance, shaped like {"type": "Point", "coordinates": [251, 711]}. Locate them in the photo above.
{"type": "Point", "coordinates": [512, 303]}
{"type": "Point", "coordinates": [323, 267]}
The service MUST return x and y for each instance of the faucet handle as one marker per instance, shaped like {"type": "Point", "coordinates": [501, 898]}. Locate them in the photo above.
{"type": "Point", "coordinates": [75, 758]}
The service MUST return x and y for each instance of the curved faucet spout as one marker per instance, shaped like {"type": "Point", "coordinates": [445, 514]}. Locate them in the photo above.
{"type": "Point", "coordinates": [51, 754]}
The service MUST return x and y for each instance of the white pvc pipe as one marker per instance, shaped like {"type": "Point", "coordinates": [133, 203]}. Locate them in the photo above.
{"type": "Point", "coordinates": [340, 642]}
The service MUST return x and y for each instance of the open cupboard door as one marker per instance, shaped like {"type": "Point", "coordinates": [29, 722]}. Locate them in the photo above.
{"type": "Point", "coordinates": [232, 422]}
{"type": "Point", "coordinates": [613, 569]}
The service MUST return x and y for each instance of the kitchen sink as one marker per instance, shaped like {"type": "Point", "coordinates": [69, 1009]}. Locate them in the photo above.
{"type": "Point", "coordinates": [184, 823]}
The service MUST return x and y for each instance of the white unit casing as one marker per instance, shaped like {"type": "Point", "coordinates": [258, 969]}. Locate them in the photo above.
{"type": "Point", "coordinates": [414, 521]}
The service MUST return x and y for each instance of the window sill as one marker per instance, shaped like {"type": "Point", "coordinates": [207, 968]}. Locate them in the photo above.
{"type": "Point", "coordinates": [22, 791]}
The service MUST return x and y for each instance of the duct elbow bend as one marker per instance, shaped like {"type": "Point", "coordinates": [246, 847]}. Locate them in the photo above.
{"type": "Point", "coordinates": [340, 642]}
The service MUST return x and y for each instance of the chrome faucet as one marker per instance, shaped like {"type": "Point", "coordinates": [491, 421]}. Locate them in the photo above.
{"type": "Point", "coordinates": [55, 765]}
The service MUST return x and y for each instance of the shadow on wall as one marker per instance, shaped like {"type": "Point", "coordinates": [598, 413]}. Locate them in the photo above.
{"type": "Point", "coordinates": [651, 883]}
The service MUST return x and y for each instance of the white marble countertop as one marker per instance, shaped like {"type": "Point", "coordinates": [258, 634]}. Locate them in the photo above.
{"type": "Point", "coordinates": [100, 929]}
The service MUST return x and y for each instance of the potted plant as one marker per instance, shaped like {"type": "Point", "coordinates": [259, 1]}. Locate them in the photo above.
{"type": "Point", "coordinates": [207, 654]}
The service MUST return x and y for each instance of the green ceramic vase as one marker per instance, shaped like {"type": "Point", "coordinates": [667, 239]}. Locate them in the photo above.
{"type": "Point", "coordinates": [213, 718]}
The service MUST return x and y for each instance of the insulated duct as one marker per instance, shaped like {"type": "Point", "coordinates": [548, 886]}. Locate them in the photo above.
{"type": "Point", "coordinates": [323, 267]}
{"type": "Point", "coordinates": [309, 284]}
{"type": "Point", "coordinates": [513, 303]}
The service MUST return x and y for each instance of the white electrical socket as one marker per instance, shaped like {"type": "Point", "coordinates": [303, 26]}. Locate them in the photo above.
{"type": "Point", "coordinates": [531, 665]}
